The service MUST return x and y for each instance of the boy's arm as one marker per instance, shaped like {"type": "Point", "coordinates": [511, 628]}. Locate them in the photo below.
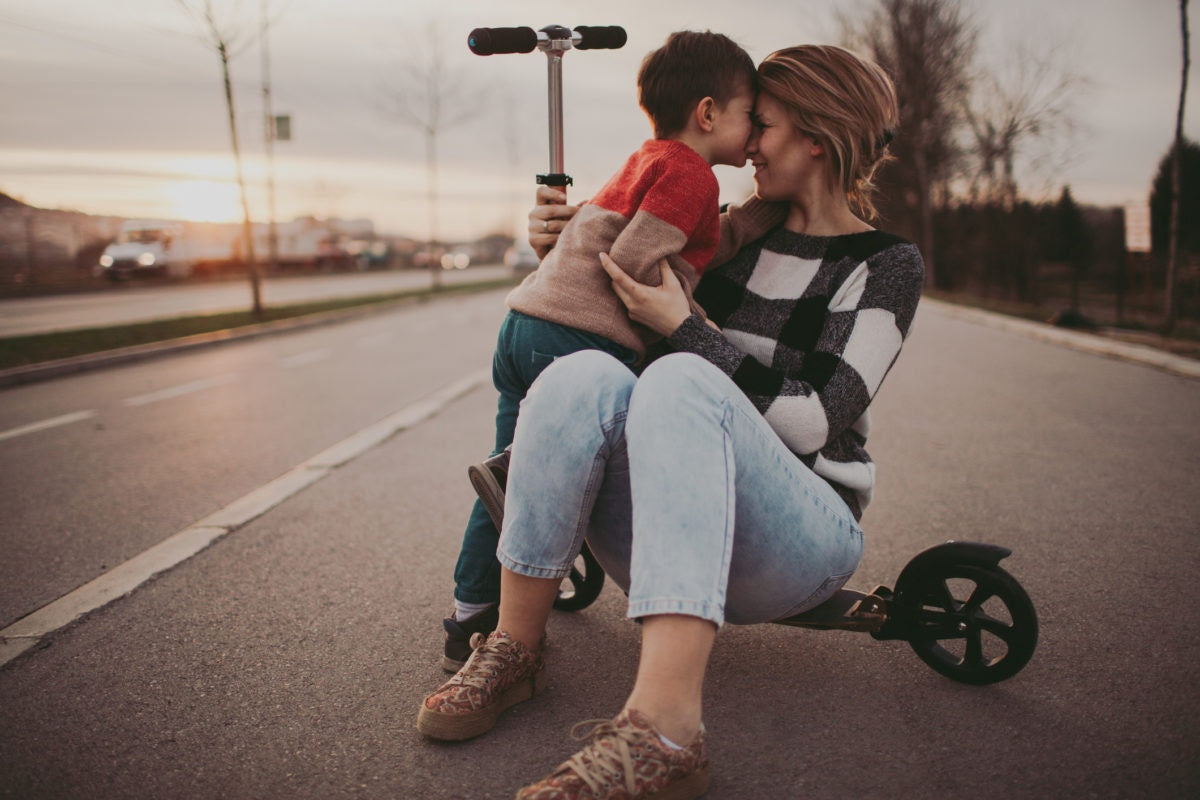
{"type": "Point", "coordinates": [688, 276]}
{"type": "Point", "coordinates": [677, 212]}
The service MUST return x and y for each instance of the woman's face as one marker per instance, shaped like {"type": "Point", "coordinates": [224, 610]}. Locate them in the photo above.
{"type": "Point", "coordinates": [785, 160]}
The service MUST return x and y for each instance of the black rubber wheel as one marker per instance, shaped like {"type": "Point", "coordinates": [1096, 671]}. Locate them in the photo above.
{"type": "Point", "coordinates": [973, 624]}
{"type": "Point", "coordinates": [585, 582]}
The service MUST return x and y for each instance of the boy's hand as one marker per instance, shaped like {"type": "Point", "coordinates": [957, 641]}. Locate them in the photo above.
{"type": "Point", "coordinates": [547, 219]}
{"type": "Point", "coordinates": [662, 308]}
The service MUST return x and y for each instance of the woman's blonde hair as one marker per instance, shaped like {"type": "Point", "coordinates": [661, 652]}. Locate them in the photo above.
{"type": "Point", "coordinates": [844, 102]}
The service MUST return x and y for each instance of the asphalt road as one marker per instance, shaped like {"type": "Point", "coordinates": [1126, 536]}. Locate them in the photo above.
{"type": "Point", "coordinates": [144, 450]}
{"type": "Point", "coordinates": [288, 658]}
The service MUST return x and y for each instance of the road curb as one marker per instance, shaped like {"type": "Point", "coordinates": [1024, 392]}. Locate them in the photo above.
{"type": "Point", "coordinates": [1076, 340]}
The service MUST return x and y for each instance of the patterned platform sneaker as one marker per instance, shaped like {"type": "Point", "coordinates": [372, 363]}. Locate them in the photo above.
{"type": "Point", "coordinates": [489, 480]}
{"type": "Point", "coordinates": [500, 673]}
{"type": "Point", "coordinates": [458, 636]}
{"type": "Point", "coordinates": [625, 759]}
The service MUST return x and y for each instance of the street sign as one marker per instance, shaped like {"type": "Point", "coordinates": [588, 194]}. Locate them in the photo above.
{"type": "Point", "coordinates": [1137, 228]}
{"type": "Point", "coordinates": [283, 128]}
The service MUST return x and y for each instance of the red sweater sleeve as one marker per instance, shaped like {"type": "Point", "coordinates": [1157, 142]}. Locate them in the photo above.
{"type": "Point", "coordinates": [670, 199]}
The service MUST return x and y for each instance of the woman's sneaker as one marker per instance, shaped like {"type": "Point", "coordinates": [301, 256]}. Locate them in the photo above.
{"type": "Point", "coordinates": [458, 636]}
{"type": "Point", "coordinates": [625, 759]}
{"type": "Point", "coordinates": [500, 673]}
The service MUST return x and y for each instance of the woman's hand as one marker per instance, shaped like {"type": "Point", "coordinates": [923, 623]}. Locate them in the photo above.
{"type": "Point", "coordinates": [662, 309]}
{"type": "Point", "coordinates": [547, 219]}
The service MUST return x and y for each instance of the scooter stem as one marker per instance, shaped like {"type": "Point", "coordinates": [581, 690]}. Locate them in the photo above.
{"type": "Point", "coordinates": [554, 41]}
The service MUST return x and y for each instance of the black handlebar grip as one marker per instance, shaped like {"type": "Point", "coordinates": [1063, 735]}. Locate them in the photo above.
{"type": "Point", "coordinates": [491, 41]}
{"type": "Point", "coordinates": [601, 37]}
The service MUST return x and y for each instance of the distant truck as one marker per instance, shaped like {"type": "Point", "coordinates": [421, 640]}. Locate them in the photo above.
{"type": "Point", "coordinates": [182, 249]}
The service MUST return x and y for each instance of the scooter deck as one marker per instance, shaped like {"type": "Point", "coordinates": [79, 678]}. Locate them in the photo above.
{"type": "Point", "coordinates": [848, 610]}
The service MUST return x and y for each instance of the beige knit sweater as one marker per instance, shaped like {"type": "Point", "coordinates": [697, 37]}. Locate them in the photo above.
{"type": "Point", "coordinates": [661, 204]}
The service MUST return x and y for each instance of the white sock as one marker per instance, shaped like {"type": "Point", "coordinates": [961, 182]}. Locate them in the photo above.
{"type": "Point", "coordinates": [669, 743]}
{"type": "Point", "coordinates": [464, 610]}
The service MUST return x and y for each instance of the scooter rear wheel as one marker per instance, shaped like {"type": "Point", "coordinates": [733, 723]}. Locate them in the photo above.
{"type": "Point", "coordinates": [586, 581]}
{"type": "Point", "coordinates": [973, 624]}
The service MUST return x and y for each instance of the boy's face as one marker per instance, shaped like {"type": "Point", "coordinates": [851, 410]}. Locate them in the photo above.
{"type": "Point", "coordinates": [732, 125]}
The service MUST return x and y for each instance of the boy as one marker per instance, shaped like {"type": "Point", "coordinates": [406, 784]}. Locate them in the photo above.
{"type": "Point", "coordinates": [698, 91]}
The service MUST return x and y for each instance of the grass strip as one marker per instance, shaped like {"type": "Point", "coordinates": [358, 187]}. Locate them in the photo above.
{"type": "Point", "coordinates": [20, 351]}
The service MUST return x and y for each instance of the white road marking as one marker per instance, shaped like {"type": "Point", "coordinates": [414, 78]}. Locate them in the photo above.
{"type": "Point", "coordinates": [179, 547]}
{"type": "Point", "coordinates": [181, 390]}
{"type": "Point", "coordinates": [304, 359]}
{"type": "Point", "coordinates": [53, 422]}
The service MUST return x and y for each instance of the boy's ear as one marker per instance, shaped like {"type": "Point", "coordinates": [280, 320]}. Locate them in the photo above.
{"type": "Point", "coordinates": [706, 114]}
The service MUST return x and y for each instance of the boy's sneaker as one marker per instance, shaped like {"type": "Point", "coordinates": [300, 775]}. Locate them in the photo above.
{"type": "Point", "coordinates": [489, 479]}
{"type": "Point", "coordinates": [458, 636]}
{"type": "Point", "coordinates": [626, 759]}
{"type": "Point", "coordinates": [500, 673]}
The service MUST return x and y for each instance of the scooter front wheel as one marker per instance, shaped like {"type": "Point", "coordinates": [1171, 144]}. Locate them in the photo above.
{"type": "Point", "coordinates": [972, 623]}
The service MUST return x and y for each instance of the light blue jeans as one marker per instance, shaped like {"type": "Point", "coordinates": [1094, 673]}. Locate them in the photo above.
{"type": "Point", "coordinates": [688, 499]}
{"type": "Point", "coordinates": [524, 347]}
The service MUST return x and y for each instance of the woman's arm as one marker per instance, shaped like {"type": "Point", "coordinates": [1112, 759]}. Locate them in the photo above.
{"type": "Point", "coordinates": [661, 308]}
{"type": "Point", "coordinates": [742, 224]}
{"type": "Point", "coordinates": [814, 400]}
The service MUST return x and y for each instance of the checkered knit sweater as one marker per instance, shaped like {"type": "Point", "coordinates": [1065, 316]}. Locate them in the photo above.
{"type": "Point", "coordinates": [810, 326]}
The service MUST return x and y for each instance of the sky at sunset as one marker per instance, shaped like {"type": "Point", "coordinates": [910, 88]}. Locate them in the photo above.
{"type": "Point", "coordinates": [117, 107]}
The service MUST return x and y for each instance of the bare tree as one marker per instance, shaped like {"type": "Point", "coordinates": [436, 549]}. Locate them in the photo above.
{"type": "Point", "coordinates": [228, 38]}
{"type": "Point", "coordinates": [270, 134]}
{"type": "Point", "coordinates": [1176, 157]}
{"type": "Point", "coordinates": [926, 46]}
{"type": "Point", "coordinates": [431, 99]}
{"type": "Point", "coordinates": [1026, 103]}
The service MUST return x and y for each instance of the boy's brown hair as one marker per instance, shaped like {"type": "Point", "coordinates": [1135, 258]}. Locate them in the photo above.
{"type": "Point", "coordinates": [689, 67]}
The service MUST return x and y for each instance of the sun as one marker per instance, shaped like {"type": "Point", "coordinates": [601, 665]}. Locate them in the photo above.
{"type": "Point", "coordinates": [203, 201]}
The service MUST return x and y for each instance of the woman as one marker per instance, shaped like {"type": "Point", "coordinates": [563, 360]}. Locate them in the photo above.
{"type": "Point", "coordinates": [727, 482]}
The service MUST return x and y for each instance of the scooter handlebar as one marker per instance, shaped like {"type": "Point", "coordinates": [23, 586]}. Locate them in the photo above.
{"type": "Point", "coordinates": [601, 37]}
{"type": "Point", "coordinates": [492, 41]}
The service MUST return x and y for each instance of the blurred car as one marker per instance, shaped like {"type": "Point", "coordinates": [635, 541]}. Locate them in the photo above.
{"type": "Point", "coordinates": [521, 258]}
{"type": "Point", "coordinates": [455, 261]}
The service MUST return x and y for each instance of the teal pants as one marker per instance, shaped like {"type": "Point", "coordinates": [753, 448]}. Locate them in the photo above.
{"type": "Point", "coordinates": [524, 347]}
